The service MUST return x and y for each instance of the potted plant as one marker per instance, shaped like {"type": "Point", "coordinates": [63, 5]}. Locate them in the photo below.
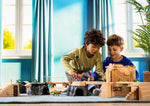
{"type": "Point", "coordinates": [142, 34]}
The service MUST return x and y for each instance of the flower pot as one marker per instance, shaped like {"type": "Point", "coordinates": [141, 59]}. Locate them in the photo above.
{"type": "Point", "coordinates": [146, 75]}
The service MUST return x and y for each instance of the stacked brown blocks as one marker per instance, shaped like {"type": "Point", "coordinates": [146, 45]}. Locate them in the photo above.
{"type": "Point", "coordinates": [119, 82]}
{"type": "Point", "coordinates": [9, 90]}
{"type": "Point", "coordinates": [118, 72]}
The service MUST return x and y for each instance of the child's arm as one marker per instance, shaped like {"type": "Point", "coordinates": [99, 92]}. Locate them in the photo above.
{"type": "Point", "coordinates": [99, 68]}
{"type": "Point", "coordinates": [66, 61]}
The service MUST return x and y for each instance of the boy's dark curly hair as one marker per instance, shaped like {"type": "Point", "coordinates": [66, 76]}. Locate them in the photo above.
{"type": "Point", "coordinates": [95, 37]}
{"type": "Point", "coordinates": [115, 40]}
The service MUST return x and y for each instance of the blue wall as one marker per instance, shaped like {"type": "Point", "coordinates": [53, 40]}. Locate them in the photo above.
{"type": "Point", "coordinates": [141, 65]}
{"type": "Point", "coordinates": [25, 67]}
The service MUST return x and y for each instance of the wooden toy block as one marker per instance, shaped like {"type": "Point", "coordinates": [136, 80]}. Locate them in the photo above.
{"type": "Point", "coordinates": [118, 72]}
{"type": "Point", "coordinates": [52, 84]}
{"type": "Point", "coordinates": [105, 90]}
{"type": "Point", "coordinates": [144, 91]}
{"type": "Point", "coordinates": [10, 90]}
{"type": "Point", "coordinates": [83, 83]}
{"type": "Point", "coordinates": [65, 84]}
{"type": "Point", "coordinates": [120, 89]}
{"type": "Point", "coordinates": [78, 83]}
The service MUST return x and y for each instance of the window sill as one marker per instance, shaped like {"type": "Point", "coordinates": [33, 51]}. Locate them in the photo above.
{"type": "Point", "coordinates": [14, 54]}
{"type": "Point", "coordinates": [17, 57]}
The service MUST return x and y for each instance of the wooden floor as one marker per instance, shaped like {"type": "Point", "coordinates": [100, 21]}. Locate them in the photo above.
{"type": "Point", "coordinates": [80, 104]}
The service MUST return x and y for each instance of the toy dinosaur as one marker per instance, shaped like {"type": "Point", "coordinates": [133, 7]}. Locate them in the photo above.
{"type": "Point", "coordinates": [55, 92]}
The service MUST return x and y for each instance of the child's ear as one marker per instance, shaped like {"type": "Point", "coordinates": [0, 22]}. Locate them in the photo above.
{"type": "Point", "coordinates": [85, 44]}
{"type": "Point", "coordinates": [121, 49]}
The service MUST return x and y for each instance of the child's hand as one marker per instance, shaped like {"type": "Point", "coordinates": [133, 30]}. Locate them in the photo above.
{"type": "Point", "coordinates": [91, 79]}
{"type": "Point", "coordinates": [104, 78]}
{"type": "Point", "coordinates": [73, 74]}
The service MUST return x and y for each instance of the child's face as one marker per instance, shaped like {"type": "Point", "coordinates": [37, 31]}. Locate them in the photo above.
{"type": "Point", "coordinates": [92, 49]}
{"type": "Point", "coordinates": [115, 51]}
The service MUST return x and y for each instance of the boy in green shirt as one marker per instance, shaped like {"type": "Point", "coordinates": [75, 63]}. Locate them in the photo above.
{"type": "Point", "coordinates": [81, 60]}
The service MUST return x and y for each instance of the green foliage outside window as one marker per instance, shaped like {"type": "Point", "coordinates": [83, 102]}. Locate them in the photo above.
{"type": "Point", "coordinates": [8, 40]}
{"type": "Point", "coordinates": [29, 45]}
{"type": "Point", "coordinates": [135, 44]}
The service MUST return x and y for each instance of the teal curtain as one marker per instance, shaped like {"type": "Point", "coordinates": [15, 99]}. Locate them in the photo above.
{"type": "Point", "coordinates": [41, 39]}
{"type": "Point", "coordinates": [0, 39]}
{"type": "Point", "coordinates": [103, 20]}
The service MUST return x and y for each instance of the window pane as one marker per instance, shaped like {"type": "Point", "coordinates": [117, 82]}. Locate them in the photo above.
{"type": "Point", "coordinates": [27, 1]}
{"type": "Point", "coordinates": [27, 37]}
{"type": "Point", "coordinates": [9, 15]}
{"type": "Point", "coordinates": [119, 11]}
{"type": "Point", "coordinates": [27, 24]}
{"type": "Point", "coordinates": [9, 1]}
{"type": "Point", "coordinates": [27, 13]}
{"type": "Point", "coordinates": [9, 37]}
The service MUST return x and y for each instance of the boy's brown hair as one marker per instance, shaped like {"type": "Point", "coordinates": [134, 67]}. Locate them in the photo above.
{"type": "Point", "coordinates": [95, 37]}
{"type": "Point", "coordinates": [115, 40]}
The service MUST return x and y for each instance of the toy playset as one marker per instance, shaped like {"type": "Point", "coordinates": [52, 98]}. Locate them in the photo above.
{"type": "Point", "coordinates": [119, 82]}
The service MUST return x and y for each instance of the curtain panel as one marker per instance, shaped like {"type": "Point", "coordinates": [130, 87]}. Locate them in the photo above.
{"type": "Point", "coordinates": [41, 39]}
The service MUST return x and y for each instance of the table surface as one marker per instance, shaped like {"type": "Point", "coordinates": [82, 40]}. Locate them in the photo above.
{"type": "Point", "coordinates": [63, 98]}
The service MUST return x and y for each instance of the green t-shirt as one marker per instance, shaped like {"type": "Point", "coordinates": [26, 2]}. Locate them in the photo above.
{"type": "Point", "coordinates": [77, 61]}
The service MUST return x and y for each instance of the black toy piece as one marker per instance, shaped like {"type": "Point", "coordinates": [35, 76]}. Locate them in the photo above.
{"type": "Point", "coordinates": [77, 90]}
{"type": "Point", "coordinates": [45, 89]}
{"type": "Point", "coordinates": [38, 89]}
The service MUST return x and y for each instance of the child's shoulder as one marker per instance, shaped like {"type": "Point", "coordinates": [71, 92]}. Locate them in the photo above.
{"type": "Point", "coordinates": [81, 48]}
{"type": "Point", "coordinates": [126, 58]}
{"type": "Point", "coordinates": [127, 61]}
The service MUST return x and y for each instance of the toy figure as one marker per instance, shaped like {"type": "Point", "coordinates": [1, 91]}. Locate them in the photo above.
{"type": "Point", "coordinates": [55, 92]}
{"type": "Point", "coordinates": [11, 81]}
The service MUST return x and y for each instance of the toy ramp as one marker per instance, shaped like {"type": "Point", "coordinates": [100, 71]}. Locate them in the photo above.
{"type": "Point", "coordinates": [9, 90]}
{"type": "Point", "coordinates": [133, 95]}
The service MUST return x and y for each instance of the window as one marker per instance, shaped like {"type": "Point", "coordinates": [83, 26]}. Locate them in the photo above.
{"type": "Point", "coordinates": [17, 28]}
{"type": "Point", "coordinates": [126, 18]}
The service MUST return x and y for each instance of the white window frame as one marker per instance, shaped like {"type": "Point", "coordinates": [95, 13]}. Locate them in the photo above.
{"type": "Point", "coordinates": [18, 52]}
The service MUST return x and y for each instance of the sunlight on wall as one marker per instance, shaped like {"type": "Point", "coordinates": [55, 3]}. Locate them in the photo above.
{"type": "Point", "coordinates": [10, 71]}
{"type": "Point", "coordinates": [67, 31]}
